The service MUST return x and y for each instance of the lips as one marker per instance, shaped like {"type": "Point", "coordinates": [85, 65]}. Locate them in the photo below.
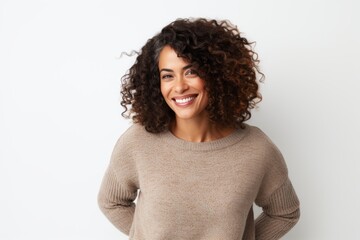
{"type": "Point", "coordinates": [184, 100]}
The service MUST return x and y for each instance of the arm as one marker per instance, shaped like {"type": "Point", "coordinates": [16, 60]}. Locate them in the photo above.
{"type": "Point", "coordinates": [119, 189]}
{"type": "Point", "coordinates": [116, 202]}
{"type": "Point", "coordinates": [276, 196]}
{"type": "Point", "coordinates": [280, 213]}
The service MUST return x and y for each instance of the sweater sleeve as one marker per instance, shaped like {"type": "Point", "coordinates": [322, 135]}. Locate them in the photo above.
{"type": "Point", "coordinates": [280, 213]}
{"type": "Point", "coordinates": [277, 198]}
{"type": "Point", "coordinates": [119, 189]}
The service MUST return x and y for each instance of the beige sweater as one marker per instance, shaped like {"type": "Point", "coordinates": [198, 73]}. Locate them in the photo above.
{"type": "Point", "coordinates": [198, 191]}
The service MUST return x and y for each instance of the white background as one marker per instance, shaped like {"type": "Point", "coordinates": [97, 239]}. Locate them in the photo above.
{"type": "Point", "coordinates": [60, 112]}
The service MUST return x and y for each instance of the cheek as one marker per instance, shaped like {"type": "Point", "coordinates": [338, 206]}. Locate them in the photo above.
{"type": "Point", "coordinates": [201, 85]}
{"type": "Point", "coordinates": [164, 89]}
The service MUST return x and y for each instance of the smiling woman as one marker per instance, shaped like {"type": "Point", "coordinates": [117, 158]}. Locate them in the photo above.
{"type": "Point", "coordinates": [198, 166]}
{"type": "Point", "coordinates": [219, 55]}
{"type": "Point", "coordinates": [184, 92]}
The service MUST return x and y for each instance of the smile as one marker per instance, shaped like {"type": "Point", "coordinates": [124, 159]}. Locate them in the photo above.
{"type": "Point", "coordinates": [184, 101]}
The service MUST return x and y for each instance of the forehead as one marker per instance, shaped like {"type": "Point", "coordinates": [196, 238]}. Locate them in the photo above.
{"type": "Point", "coordinates": [168, 58]}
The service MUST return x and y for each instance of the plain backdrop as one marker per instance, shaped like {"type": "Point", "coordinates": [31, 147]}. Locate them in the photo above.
{"type": "Point", "coordinates": [60, 114]}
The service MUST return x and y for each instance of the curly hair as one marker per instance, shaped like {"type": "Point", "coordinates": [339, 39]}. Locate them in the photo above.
{"type": "Point", "coordinates": [225, 61]}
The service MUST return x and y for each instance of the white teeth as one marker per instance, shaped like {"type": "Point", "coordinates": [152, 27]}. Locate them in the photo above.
{"type": "Point", "coordinates": [184, 100]}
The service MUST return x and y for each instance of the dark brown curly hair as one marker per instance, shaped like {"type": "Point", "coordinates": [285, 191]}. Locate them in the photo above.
{"type": "Point", "coordinates": [224, 59]}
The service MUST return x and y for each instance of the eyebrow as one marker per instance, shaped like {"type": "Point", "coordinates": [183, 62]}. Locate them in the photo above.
{"type": "Point", "coordinates": [170, 70]}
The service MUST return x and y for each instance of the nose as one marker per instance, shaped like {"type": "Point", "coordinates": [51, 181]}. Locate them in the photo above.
{"type": "Point", "coordinates": [181, 85]}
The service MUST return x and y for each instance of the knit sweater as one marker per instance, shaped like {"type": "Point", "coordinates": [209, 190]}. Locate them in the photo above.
{"type": "Point", "coordinates": [198, 191]}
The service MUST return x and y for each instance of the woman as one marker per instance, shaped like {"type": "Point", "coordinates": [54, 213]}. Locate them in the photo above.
{"type": "Point", "coordinates": [198, 167]}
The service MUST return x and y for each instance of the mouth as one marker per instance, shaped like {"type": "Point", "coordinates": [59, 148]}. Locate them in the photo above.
{"type": "Point", "coordinates": [184, 100]}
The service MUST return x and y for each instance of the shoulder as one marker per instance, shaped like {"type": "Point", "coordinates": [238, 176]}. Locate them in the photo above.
{"type": "Point", "coordinates": [129, 142]}
{"type": "Point", "coordinates": [134, 137]}
{"type": "Point", "coordinates": [258, 136]}
{"type": "Point", "coordinates": [135, 132]}
{"type": "Point", "coordinates": [261, 141]}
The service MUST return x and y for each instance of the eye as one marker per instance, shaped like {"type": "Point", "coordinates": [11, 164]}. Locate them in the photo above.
{"type": "Point", "coordinates": [191, 72]}
{"type": "Point", "coordinates": [166, 76]}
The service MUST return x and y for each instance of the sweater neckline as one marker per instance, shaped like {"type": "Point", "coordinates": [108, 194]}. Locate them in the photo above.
{"type": "Point", "coordinates": [220, 143]}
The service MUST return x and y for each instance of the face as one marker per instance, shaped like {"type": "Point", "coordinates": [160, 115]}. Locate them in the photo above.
{"type": "Point", "coordinates": [181, 87]}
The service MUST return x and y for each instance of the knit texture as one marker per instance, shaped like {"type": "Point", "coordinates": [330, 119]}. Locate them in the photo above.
{"type": "Point", "coordinates": [202, 191]}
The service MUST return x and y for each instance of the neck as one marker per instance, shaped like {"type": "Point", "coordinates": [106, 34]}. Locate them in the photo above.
{"type": "Point", "coordinates": [198, 130]}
